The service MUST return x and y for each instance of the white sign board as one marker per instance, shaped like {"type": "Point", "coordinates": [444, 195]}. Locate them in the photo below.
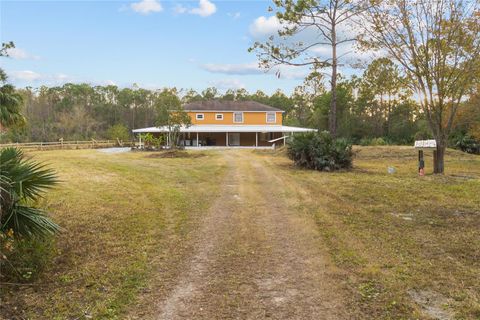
{"type": "Point", "coordinates": [425, 144]}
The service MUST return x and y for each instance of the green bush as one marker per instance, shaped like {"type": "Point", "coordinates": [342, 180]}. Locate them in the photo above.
{"type": "Point", "coordinates": [319, 151]}
{"type": "Point", "coordinates": [378, 142]}
{"type": "Point", "coordinates": [467, 143]}
{"type": "Point", "coordinates": [118, 131]}
{"type": "Point", "coordinates": [365, 142]}
{"type": "Point", "coordinates": [23, 259]}
{"type": "Point", "coordinates": [152, 142]}
{"type": "Point", "coordinates": [25, 231]}
{"type": "Point", "coordinates": [373, 142]}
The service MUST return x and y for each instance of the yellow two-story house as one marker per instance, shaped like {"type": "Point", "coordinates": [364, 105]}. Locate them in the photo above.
{"type": "Point", "coordinates": [231, 124]}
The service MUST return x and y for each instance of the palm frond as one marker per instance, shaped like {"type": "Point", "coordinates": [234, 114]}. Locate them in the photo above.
{"type": "Point", "coordinates": [28, 222]}
{"type": "Point", "coordinates": [22, 182]}
{"type": "Point", "coordinates": [28, 179]}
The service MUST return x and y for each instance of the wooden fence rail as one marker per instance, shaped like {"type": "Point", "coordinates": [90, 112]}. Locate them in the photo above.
{"type": "Point", "coordinates": [92, 144]}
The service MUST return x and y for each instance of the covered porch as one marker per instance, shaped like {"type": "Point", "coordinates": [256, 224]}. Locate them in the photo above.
{"type": "Point", "coordinates": [229, 139]}
{"type": "Point", "coordinates": [246, 136]}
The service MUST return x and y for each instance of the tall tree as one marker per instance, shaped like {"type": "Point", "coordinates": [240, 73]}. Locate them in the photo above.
{"type": "Point", "coordinates": [10, 100]}
{"type": "Point", "coordinates": [309, 25]}
{"type": "Point", "coordinates": [437, 44]}
{"type": "Point", "coordinates": [382, 80]}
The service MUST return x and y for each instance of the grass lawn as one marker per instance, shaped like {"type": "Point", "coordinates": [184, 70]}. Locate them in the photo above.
{"type": "Point", "coordinates": [125, 216]}
{"type": "Point", "coordinates": [407, 246]}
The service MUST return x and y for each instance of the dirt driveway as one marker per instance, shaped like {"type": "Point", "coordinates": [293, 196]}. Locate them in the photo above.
{"type": "Point", "coordinates": [253, 256]}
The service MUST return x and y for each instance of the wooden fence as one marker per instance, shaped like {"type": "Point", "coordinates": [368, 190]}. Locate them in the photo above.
{"type": "Point", "coordinates": [92, 144]}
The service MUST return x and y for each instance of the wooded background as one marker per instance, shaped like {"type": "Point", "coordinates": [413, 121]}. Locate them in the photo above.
{"type": "Point", "coordinates": [373, 109]}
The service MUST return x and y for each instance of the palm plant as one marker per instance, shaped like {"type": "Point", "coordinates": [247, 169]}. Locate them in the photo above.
{"type": "Point", "coordinates": [22, 183]}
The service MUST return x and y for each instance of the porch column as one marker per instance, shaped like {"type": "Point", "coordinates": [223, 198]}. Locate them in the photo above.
{"type": "Point", "coordinates": [197, 140]}
{"type": "Point", "coordinates": [140, 141]}
{"type": "Point", "coordinates": [256, 139]}
{"type": "Point", "coordinates": [226, 139]}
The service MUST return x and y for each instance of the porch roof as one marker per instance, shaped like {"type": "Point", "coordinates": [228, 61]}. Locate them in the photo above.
{"type": "Point", "coordinates": [227, 128]}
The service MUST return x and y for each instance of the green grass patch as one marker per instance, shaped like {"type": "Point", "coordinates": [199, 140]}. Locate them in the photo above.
{"type": "Point", "coordinates": [391, 233]}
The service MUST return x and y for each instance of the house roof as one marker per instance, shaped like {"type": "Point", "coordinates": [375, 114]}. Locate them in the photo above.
{"type": "Point", "coordinates": [218, 105]}
{"type": "Point", "coordinates": [227, 128]}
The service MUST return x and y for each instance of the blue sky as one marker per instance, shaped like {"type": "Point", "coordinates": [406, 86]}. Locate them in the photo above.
{"type": "Point", "coordinates": [154, 43]}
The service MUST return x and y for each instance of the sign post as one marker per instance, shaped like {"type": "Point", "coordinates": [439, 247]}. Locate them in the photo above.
{"type": "Point", "coordinates": [421, 145]}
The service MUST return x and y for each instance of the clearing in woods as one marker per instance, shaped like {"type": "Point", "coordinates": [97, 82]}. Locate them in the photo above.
{"type": "Point", "coordinates": [242, 234]}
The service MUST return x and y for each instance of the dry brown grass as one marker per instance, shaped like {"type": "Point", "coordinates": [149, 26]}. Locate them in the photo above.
{"type": "Point", "coordinates": [123, 215]}
{"type": "Point", "coordinates": [405, 247]}
{"type": "Point", "coordinates": [399, 236]}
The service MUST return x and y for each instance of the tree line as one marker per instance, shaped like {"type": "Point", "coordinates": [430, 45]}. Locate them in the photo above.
{"type": "Point", "coordinates": [376, 108]}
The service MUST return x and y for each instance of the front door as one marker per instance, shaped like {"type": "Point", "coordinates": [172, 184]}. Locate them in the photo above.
{"type": "Point", "coordinates": [234, 139]}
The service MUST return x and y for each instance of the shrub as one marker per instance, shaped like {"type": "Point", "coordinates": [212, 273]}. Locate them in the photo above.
{"type": "Point", "coordinates": [365, 142]}
{"type": "Point", "coordinates": [467, 143]}
{"type": "Point", "coordinates": [25, 231]}
{"type": "Point", "coordinates": [373, 142]}
{"type": "Point", "coordinates": [118, 131]}
{"type": "Point", "coordinates": [23, 259]}
{"type": "Point", "coordinates": [319, 151]}
{"type": "Point", "coordinates": [152, 142]}
{"type": "Point", "coordinates": [378, 142]}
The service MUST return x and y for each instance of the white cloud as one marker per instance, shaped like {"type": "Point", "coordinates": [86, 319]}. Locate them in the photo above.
{"type": "Point", "coordinates": [348, 53]}
{"type": "Point", "coordinates": [20, 54]}
{"type": "Point", "coordinates": [25, 75]}
{"type": "Point", "coordinates": [265, 26]}
{"type": "Point", "coordinates": [239, 69]}
{"type": "Point", "coordinates": [205, 8]}
{"type": "Point", "coordinates": [283, 71]}
{"type": "Point", "coordinates": [35, 77]}
{"type": "Point", "coordinates": [225, 84]}
{"type": "Point", "coordinates": [146, 6]}
{"type": "Point", "coordinates": [59, 78]}
{"type": "Point", "coordinates": [290, 72]}
{"type": "Point", "coordinates": [28, 77]}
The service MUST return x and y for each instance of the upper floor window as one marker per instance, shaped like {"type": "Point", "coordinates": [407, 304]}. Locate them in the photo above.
{"type": "Point", "coordinates": [271, 117]}
{"type": "Point", "coordinates": [200, 116]}
{"type": "Point", "coordinates": [238, 117]}
{"type": "Point", "coordinates": [219, 116]}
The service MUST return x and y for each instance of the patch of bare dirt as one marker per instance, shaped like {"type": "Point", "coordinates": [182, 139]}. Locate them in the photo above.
{"type": "Point", "coordinates": [253, 257]}
{"type": "Point", "coordinates": [432, 304]}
